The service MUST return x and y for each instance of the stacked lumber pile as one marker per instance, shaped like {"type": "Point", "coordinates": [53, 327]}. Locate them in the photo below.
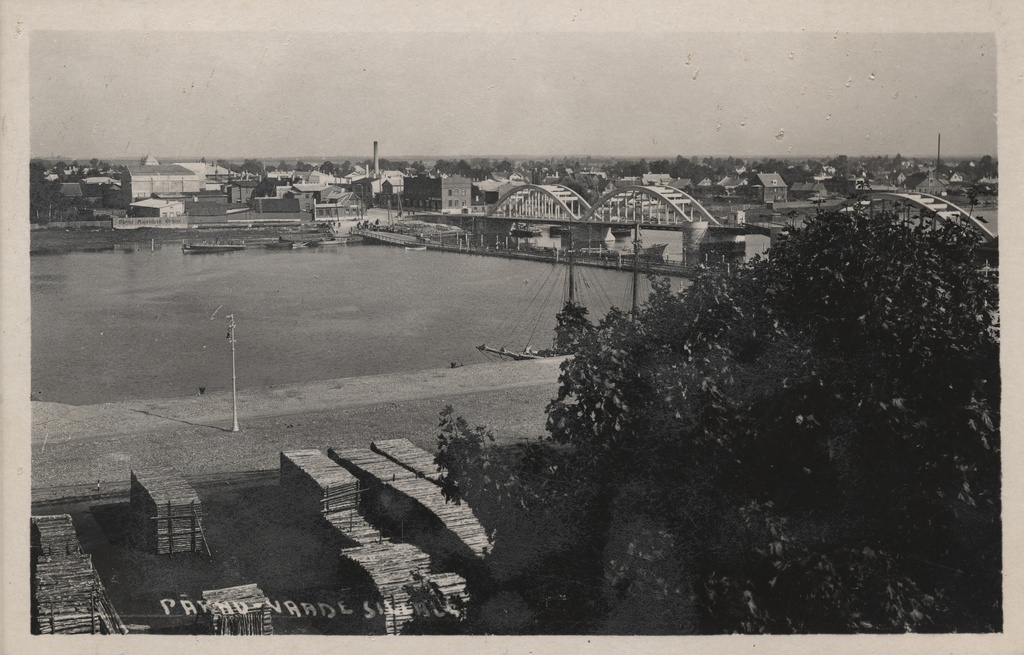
{"type": "Point", "coordinates": [320, 485]}
{"type": "Point", "coordinates": [54, 534]}
{"type": "Point", "coordinates": [457, 518]}
{"type": "Point", "coordinates": [69, 597]}
{"type": "Point", "coordinates": [408, 455]}
{"type": "Point", "coordinates": [314, 476]}
{"type": "Point", "coordinates": [352, 525]}
{"type": "Point", "coordinates": [452, 585]}
{"type": "Point", "coordinates": [391, 567]}
{"type": "Point", "coordinates": [241, 610]}
{"type": "Point", "coordinates": [167, 511]}
{"type": "Point", "coordinates": [333, 491]}
{"type": "Point", "coordinates": [366, 463]}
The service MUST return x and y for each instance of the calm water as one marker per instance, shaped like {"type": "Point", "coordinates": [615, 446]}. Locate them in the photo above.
{"type": "Point", "coordinates": [114, 325]}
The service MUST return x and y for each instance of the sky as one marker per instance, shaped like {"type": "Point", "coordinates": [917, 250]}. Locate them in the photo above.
{"type": "Point", "coordinates": [276, 94]}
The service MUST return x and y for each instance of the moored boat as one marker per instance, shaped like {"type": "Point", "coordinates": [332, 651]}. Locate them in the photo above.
{"type": "Point", "coordinates": [204, 247]}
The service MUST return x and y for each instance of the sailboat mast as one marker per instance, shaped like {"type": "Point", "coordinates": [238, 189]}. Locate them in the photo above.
{"type": "Point", "coordinates": [636, 266]}
{"type": "Point", "coordinates": [572, 273]}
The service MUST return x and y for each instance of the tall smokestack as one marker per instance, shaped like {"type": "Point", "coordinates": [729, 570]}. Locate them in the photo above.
{"type": "Point", "coordinates": [376, 164]}
{"type": "Point", "coordinates": [938, 154]}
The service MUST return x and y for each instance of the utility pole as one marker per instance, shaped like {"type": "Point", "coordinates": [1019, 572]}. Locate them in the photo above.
{"type": "Point", "coordinates": [234, 389]}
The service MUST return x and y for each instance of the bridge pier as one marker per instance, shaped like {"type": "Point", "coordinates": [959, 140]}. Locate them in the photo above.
{"type": "Point", "coordinates": [693, 234]}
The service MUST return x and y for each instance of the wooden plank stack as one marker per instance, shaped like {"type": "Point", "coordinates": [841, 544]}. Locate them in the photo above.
{"type": "Point", "coordinates": [383, 471]}
{"type": "Point", "coordinates": [167, 511]}
{"type": "Point", "coordinates": [241, 610]}
{"type": "Point", "coordinates": [69, 597]}
{"type": "Point", "coordinates": [392, 567]}
{"type": "Point", "coordinates": [54, 534]}
{"type": "Point", "coordinates": [322, 483]}
{"type": "Point", "coordinates": [408, 455]}
{"type": "Point", "coordinates": [314, 475]}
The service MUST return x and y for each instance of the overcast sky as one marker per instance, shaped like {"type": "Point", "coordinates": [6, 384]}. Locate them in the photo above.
{"type": "Point", "coordinates": [270, 94]}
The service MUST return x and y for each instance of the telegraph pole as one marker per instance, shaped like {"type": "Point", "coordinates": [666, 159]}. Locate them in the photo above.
{"type": "Point", "coordinates": [234, 389]}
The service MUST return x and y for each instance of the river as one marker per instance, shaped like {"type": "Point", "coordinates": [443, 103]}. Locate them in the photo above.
{"type": "Point", "coordinates": [132, 324]}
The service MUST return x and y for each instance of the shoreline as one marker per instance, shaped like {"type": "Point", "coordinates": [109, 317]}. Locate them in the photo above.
{"type": "Point", "coordinates": [79, 445]}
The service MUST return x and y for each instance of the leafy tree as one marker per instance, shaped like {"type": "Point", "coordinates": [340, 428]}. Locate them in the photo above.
{"type": "Point", "coordinates": [328, 168]}
{"type": "Point", "coordinates": [267, 188]}
{"type": "Point", "coordinates": [253, 167]}
{"type": "Point", "coordinates": [811, 445]}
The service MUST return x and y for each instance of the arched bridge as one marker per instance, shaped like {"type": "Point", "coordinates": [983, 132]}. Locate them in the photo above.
{"type": "Point", "coordinates": [550, 202]}
{"type": "Point", "coordinates": [649, 205]}
{"type": "Point", "coordinates": [942, 209]}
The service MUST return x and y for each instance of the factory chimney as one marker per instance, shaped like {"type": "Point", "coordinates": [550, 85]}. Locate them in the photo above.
{"type": "Point", "coordinates": [938, 155]}
{"type": "Point", "coordinates": [376, 164]}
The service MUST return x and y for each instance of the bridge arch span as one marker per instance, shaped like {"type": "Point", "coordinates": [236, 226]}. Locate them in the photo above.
{"type": "Point", "coordinates": [944, 210]}
{"type": "Point", "coordinates": [651, 205]}
{"type": "Point", "coordinates": [541, 201]}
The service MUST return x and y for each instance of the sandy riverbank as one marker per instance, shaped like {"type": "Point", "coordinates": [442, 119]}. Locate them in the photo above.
{"type": "Point", "coordinates": [83, 445]}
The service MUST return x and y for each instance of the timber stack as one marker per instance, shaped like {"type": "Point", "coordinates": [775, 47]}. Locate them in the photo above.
{"type": "Point", "coordinates": [320, 485]}
{"type": "Point", "coordinates": [241, 610]}
{"type": "Point", "coordinates": [313, 476]}
{"type": "Point", "coordinates": [54, 535]}
{"type": "Point", "coordinates": [68, 596]}
{"type": "Point", "coordinates": [378, 470]}
{"type": "Point", "coordinates": [167, 512]}
{"type": "Point", "coordinates": [408, 455]}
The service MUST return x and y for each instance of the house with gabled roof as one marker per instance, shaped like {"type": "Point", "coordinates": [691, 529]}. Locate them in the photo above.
{"type": "Point", "coordinates": [772, 187]}
{"type": "Point", "coordinates": [655, 179]}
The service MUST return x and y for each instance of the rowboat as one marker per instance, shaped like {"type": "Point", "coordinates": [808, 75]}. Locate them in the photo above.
{"type": "Point", "coordinates": [199, 248]}
{"type": "Point", "coordinates": [415, 247]}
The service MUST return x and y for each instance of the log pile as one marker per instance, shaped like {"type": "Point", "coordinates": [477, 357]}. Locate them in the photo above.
{"type": "Point", "coordinates": [408, 455]}
{"type": "Point", "coordinates": [68, 596]}
{"type": "Point", "coordinates": [314, 476]}
{"type": "Point", "coordinates": [167, 511]}
{"type": "Point", "coordinates": [54, 534]}
{"type": "Point", "coordinates": [241, 610]}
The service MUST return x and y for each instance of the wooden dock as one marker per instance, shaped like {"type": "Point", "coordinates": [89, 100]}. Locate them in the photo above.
{"type": "Point", "coordinates": [459, 519]}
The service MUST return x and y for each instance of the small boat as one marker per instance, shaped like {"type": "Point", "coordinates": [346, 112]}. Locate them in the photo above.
{"type": "Point", "coordinates": [198, 248]}
{"type": "Point", "coordinates": [523, 231]}
{"type": "Point", "coordinates": [518, 355]}
{"type": "Point", "coordinates": [415, 247]}
{"type": "Point", "coordinates": [333, 241]}
{"type": "Point", "coordinates": [288, 243]}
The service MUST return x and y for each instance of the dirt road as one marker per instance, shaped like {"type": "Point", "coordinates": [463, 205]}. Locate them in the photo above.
{"type": "Point", "coordinates": [97, 444]}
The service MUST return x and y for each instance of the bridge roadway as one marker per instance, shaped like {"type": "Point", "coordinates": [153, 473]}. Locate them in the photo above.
{"type": "Point", "coordinates": [605, 260]}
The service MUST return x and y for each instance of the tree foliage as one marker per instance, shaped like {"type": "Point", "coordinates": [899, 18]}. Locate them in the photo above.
{"type": "Point", "coordinates": [811, 445]}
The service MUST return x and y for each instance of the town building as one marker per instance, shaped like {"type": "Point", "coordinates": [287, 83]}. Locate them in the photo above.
{"type": "Point", "coordinates": [448, 195]}
{"type": "Point", "coordinates": [239, 191]}
{"type": "Point", "coordinates": [335, 203]}
{"type": "Point", "coordinates": [151, 177]}
{"type": "Point", "coordinates": [772, 187]}
{"type": "Point", "coordinates": [926, 183]}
